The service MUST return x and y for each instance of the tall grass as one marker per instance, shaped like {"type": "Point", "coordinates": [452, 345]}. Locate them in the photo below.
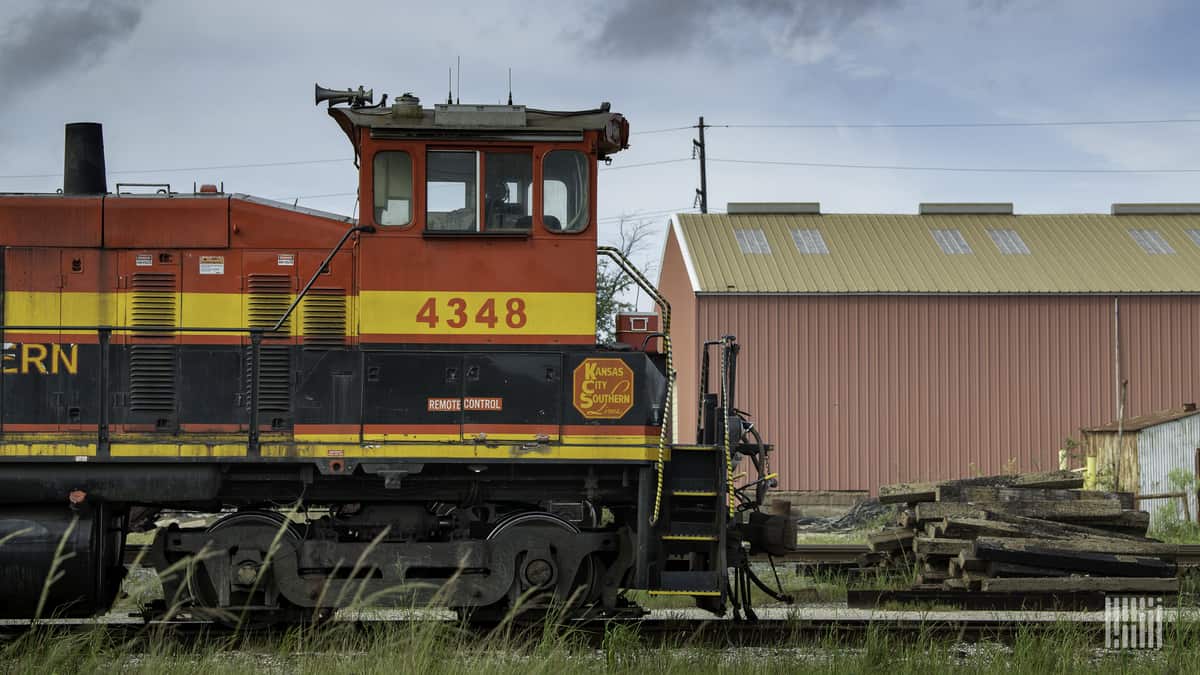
{"type": "Point", "coordinates": [449, 647]}
{"type": "Point", "coordinates": [429, 644]}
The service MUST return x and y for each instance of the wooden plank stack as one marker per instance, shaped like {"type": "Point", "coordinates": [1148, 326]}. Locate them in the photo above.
{"type": "Point", "coordinates": [1032, 533]}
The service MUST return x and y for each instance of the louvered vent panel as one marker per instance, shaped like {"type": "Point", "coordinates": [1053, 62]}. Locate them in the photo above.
{"type": "Point", "coordinates": [324, 318]}
{"type": "Point", "coordinates": [274, 384]}
{"type": "Point", "coordinates": [153, 304]}
{"type": "Point", "coordinates": [269, 298]}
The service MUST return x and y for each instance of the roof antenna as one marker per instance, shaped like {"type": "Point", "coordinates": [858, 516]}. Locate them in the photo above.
{"type": "Point", "coordinates": [458, 95]}
{"type": "Point", "coordinates": [510, 86]}
{"type": "Point", "coordinates": [450, 85]}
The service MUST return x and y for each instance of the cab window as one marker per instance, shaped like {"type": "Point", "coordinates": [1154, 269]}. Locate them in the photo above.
{"type": "Point", "coordinates": [565, 191]}
{"type": "Point", "coordinates": [451, 189]}
{"type": "Point", "coordinates": [508, 191]}
{"type": "Point", "coordinates": [393, 188]}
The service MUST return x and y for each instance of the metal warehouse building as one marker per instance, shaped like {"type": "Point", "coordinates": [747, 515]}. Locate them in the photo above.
{"type": "Point", "coordinates": [882, 347]}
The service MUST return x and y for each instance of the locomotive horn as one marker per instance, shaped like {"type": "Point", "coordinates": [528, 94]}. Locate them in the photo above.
{"type": "Point", "coordinates": [356, 99]}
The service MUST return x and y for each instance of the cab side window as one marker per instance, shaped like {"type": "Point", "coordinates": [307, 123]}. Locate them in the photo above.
{"type": "Point", "coordinates": [508, 191]}
{"type": "Point", "coordinates": [565, 191]}
{"type": "Point", "coordinates": [451, 189]}
{"type": "Point", "coordinates": [393, 188]}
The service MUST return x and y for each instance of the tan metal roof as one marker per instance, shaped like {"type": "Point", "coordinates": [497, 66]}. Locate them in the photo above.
{"type": "Point", "coordinates": [898, 253]}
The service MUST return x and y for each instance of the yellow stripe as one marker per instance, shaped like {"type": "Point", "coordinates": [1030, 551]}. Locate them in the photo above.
{"type": "Point", "coordinates": [177, 450]}
{"type": "Point", "coordinates": [395, 312]}
{"type": "Point", "coordinates": [382, 312]}
{"type": "Point", "coordinates": [200, 310]}
{"type": "Point", "coordinates": [711, 594]}
{"type": "Point", "coordinates": [693, 493]}
{"type": "Point", "coordinates": [31, 449]}
{"type": "Point", "coordinates": [688, 537]}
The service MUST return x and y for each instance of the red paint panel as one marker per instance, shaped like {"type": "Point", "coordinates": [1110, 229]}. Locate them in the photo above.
{"type": "Point", "coordinates": [213, 271]}
{"type": "Point", "coordinates": [256, 225]}
{"type": "Point", "coordinates": [50, 220]}
{"type": "Point", "coordinates": [162, 222]}
{"type": "Point", "coordinates": [478, 263]}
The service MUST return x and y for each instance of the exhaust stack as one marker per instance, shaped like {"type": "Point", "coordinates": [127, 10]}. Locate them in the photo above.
{"type": "Point", "coordinates": [83, 164]}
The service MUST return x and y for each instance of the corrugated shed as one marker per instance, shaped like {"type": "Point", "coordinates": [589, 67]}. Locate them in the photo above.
{"type": "Point", "coordinates": [897, 253]}
{"type": "Point", "coordinates": [1163, 448]}
{"type": "Point", "coordinates": [863, 390]}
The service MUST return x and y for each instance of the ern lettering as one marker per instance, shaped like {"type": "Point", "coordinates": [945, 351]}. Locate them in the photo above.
{"type": "Point", "coordinates": [40, 359]}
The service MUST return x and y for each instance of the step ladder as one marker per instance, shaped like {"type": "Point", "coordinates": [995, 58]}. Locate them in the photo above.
{"type": "Point", "coordinates": [691, 530]}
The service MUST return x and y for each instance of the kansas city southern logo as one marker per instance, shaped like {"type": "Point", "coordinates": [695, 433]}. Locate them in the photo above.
{"type": "Point", "coordinates": [603, 389]}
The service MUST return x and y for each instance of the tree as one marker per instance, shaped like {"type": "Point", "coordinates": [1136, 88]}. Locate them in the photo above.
{"type": "Point", "coordinates": [612, 285]}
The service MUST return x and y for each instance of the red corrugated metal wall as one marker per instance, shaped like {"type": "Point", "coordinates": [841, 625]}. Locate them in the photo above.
{"type": "Point", "coordinates": [859, 391]}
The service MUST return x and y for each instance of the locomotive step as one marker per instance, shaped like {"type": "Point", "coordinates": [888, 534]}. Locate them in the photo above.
{"type": "Point", "coordinates": [694, 493]}
{"type": "Point", "coordinates": [694, 448]}
{"type": "Point", "coordinates": [690, 532]}
{"type": "Point", "coordinates": [698, 582]}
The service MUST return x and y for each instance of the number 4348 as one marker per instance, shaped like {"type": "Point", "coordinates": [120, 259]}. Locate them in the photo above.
{"type": "Point", "coordinates": [458, 313]}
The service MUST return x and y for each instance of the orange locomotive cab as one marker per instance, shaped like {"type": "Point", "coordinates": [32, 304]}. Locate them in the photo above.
{"type": "Point", "coordinates": [485, 221]}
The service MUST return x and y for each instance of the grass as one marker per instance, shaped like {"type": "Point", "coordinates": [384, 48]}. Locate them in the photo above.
{"type": "Point", "coordinates": [444, 647]}
{"type": "Point", "coordinates": [447, 647]}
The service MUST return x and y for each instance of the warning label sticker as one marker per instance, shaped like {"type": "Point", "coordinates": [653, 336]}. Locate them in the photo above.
{"type": "Point", "coordinates": [212, 264]}
{"type": "Point", "coordinates": [285, 260]}
{"type": "Point", "coordinates": [469, 404]}
{"type": "Point", "coordinates": [603, 389]}
{"type": "Point", "coordinates": [144, 260]}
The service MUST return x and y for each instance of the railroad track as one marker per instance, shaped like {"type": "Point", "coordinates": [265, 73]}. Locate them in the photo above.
{"type": "Point", "coordinates": [804, 554]}
{"type": "Point", "coordinates": [672, 628]}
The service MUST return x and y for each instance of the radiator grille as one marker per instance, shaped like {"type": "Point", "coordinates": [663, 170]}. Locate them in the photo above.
{"type": "Point", "coordinates": [324, 318]}
{"type": "Point", "coordinates": [152, 373]}
{"type": "Point", "coordinates": [269, 298]}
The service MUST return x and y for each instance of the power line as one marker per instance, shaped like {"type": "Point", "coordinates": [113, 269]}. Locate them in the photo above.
{"type": "Point", "coordinates": [952, 169]}
{"type": "Point", "coordinates": [654, 163]}
{"type": "Point", "coordinates": [644, 214]}
{"type": "Point", "coordinates": [662, 131]}
{"type": "Point", "coordinates": [956, 125]}
{"type": "Point", "coordinates": [261, 165]}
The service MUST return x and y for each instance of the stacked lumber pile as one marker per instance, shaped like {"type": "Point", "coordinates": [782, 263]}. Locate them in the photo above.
{"type": "Point", "coordinates": [1023, 533]}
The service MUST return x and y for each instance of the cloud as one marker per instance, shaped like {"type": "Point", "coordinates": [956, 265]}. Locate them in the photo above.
{"type": "Point", "coordinates": [60, 35]}
{"type": "Point", "coordinates": [802, 29]}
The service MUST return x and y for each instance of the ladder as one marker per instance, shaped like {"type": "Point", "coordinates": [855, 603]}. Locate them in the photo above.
{"type": "Point", "coordinates": [692, 532]}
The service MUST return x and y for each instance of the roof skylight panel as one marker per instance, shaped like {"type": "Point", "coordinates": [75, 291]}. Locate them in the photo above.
{"type": "Point", "coordinates": [809, 241]}
{"type": "Point", "coordinates": [951, 241]}
{"type": "Point", "coordinates": [1008, 241]}
{"type": "Point", "coordinates": [1151, 241]}
{"type": "Point", "coordinates": [752, 240]}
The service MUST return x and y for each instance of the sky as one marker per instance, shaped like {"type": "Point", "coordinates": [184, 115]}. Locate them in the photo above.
{"type": "Point", "coordinates": [191, 86]}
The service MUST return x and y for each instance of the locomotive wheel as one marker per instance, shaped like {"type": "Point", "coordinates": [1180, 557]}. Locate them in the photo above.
{"type": "Point", "coordinates": [532, 574]}
{"type": "Point", "coordinates": [252, 599]}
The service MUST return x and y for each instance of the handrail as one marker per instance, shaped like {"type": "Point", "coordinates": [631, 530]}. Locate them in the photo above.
{"type": "Point", "coordinates": [256, 333]}
{"type": "Point", "coordinates": [640, 279]}
{"type": "Point", "coordinates": [324, 264]}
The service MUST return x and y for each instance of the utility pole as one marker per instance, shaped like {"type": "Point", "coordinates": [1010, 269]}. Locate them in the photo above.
{"type": "Point", "coordinates": [698, 150]}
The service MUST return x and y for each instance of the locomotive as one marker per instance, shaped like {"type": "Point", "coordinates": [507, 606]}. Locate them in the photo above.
{"type": "Point", "coordinates": [405, 407]}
